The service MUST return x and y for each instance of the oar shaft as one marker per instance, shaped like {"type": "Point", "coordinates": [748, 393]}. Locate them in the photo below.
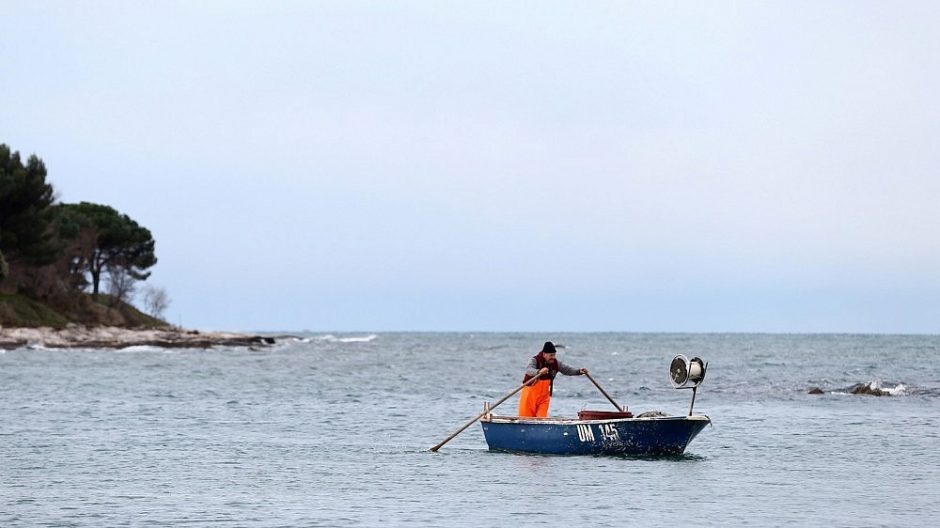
{"type": "Point", "coordinates": [471, 422]}
{"type": "Point", "coordinates": [619, 408]}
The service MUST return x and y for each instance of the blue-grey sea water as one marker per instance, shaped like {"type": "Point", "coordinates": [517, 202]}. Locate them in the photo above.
{"type": "Point", "coordinates": [334, 430]}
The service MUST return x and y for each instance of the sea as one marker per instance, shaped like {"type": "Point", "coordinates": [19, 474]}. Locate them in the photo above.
{"type": "Point", "coordinates": [334, 430]}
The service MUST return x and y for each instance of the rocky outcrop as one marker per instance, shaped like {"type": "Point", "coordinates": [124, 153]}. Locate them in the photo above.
{"type": "Point", "coordinates": [868, 389]}
{"type": "Point", "coordinates": [865, 389]}
{"type": "Point", "coordinates": [114, 337]}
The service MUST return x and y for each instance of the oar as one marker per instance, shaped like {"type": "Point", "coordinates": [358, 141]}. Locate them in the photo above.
{"type": "Point", "coordinates": [619, 408]}
{"type": "Point", "coordinates": [468, 424]}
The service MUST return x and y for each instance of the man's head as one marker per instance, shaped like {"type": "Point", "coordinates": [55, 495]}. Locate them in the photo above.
{"type": "Point", "coordinates": [548, 350]}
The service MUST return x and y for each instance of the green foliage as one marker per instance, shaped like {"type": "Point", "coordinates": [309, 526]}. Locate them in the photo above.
{"type": "Point", "coordinates": [132, 317]}
{"type": "Point", "coordinates": [23, 311]}
{"type": "Point", "coordinates": [119, 241]}
{"type": "Point", "coordinates": [19, 310]}
{"type": "Point", "coordinates": [25, 201]}
{"type": "Point", "coordinates": [77, 237]}
{"type": "Point", "coordinates": [48, 251]}
{"type": "Point", "coordinates": [69, 222]}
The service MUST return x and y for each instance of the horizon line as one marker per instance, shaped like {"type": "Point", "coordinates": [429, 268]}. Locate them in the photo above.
{"type": "Point", "coordinates": [638, 332]}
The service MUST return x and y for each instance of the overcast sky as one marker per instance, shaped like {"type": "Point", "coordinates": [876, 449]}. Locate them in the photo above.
{"type": "Point", "coordinates": [623, 166]}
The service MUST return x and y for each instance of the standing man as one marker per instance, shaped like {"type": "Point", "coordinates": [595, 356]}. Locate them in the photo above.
{"type": "Point", "coordinates": [536, 397]}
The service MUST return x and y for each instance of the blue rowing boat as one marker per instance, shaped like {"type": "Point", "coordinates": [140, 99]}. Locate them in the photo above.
{"type": "Point", "coordinates": [603, 432]}
{"type": "Point", "coordinates": [660, 435]}
{"type": "Point", "coordinates": [598, 432]}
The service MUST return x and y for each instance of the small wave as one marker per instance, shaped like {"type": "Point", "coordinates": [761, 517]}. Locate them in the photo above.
{"type": "Point", "coordinates": [330, 338]}
{"type": "Point", "coordinates": [142, 348]}
{"type": "Point", "coordinates": [871, 388]}
{"type": "Point", "coordinates": [899, 390]}
{"type": "Point", "coordinates": [874, 388]}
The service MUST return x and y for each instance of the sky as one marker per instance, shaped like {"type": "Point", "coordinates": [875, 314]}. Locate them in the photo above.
{"type": "Point", "coordinates": [501, 166]}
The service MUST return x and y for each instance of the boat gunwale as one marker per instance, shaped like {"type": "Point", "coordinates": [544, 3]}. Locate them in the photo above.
{"type": "Point", "coordinates": [527, 420]}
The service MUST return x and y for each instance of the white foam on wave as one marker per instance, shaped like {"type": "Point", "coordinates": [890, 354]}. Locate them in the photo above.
{"type": "Point", "coordinates": [893, 391]}
{"type": "Point", "coordinates": [898, 390]}
{"type": "Point", "coordinates": [142, 348]}
{"type": "Point", "coordinates": [330, 338]}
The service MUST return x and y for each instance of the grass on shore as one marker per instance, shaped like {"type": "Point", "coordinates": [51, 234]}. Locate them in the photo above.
{"type": "Point", "coordinates": [21, 311]}
{"type": "Point", "coordinates": [132, 316]}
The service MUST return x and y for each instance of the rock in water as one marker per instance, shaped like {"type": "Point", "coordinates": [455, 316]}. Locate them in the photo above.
{"type": "Point", "coordinates": [868, 389]}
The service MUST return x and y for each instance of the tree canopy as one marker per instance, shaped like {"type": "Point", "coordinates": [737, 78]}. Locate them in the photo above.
{"type": "Point", "coordinates": [49, 248]}
{"type": "Point", "coordinates": [25, 208]}
{"type": "Point", "coordinates": [120, 243]}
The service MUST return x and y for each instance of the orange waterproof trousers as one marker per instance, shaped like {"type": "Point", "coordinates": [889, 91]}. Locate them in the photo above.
{"type": "Point", "coordinates": [535, 398]}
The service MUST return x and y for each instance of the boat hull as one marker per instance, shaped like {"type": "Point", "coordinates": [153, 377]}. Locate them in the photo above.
{"type": "Point", "coordinates": [629, 436]}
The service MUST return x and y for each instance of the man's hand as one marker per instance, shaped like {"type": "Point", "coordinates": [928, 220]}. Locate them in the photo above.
{"type": "Point", "coordinates": [544, 370]}
{"type": "Point", "coordinates": [582, 371]}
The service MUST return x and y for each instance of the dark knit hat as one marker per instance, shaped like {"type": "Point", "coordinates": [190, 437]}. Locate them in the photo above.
{"type": "Point", "coordinates": [548, 348]}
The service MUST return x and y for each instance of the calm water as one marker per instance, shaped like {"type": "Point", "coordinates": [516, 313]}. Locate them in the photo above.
{"type": "Point", "coordinates": [335, 432]}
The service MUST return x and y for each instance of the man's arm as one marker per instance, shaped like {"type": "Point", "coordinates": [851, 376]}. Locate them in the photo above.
{"type": "Point", "coordinates": [531, 370]}
{"type": "Point", "coordinates": [570, 371]}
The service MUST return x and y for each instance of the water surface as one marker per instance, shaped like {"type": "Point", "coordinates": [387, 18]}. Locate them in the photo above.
{"type": "Point", "coordinates": [335, 431]}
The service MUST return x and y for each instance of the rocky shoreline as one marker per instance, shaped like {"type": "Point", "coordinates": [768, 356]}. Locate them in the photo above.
{"type": "Point", "coordinates": [114, 337]}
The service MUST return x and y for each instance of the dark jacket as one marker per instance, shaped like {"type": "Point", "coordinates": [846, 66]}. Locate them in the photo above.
{"type": "Point", "coordinates": [537, 362]}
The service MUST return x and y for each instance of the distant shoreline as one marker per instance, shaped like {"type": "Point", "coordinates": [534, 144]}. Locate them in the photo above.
{"type": "Point", "coordinates": [75, 336]}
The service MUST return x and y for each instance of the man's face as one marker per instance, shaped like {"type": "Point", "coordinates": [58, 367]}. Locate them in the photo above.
{"type": "Point", "coordinates": [549, 356]}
